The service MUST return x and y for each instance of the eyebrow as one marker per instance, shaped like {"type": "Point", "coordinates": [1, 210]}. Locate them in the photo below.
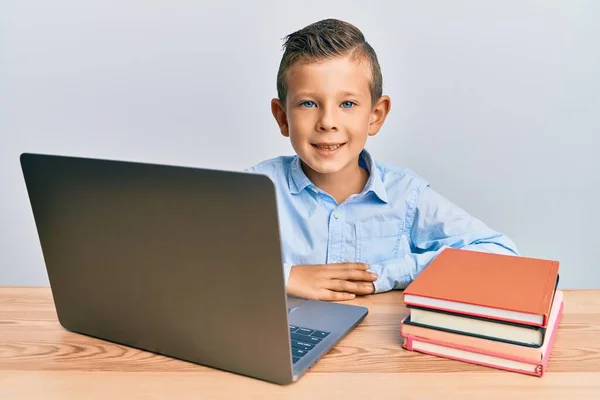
{"type": "Point", "coordinates": [343, 93]}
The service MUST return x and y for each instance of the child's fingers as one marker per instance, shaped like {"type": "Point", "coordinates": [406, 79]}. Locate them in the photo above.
{"type": "Point", "coordinates": [366, 287]}
{"type": "Point", "coordinates": [361, 288]}
{"type": "Point", "coordinates": [352, 275]}
{"type": "Point", "coordinates": [331, 295]}
{"type": "Point", "coordinates": [339, 285]}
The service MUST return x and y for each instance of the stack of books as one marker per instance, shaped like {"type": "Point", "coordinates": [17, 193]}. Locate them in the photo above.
{"type": "Point", "coordinates": [494, 310]}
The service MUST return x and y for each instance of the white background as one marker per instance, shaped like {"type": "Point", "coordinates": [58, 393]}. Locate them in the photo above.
{"type": "Point", "coordinates": [496, 103]}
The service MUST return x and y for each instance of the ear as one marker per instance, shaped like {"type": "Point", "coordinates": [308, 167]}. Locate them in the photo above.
{"type": "Point", "coordinates": [278, 111]}
{"type": "Point", "coordinates": [378, 114]}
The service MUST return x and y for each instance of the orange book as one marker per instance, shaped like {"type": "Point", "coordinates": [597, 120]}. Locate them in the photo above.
{"type": "Point", "coordinates": [499, 287]}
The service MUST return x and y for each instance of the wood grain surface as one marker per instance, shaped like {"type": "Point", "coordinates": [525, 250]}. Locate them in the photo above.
{"type": "Point", "coordinates": [40, 359]}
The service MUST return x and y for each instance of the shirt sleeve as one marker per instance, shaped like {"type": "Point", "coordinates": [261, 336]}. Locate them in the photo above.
{"type": "Point", "coordinates": [435, 224]}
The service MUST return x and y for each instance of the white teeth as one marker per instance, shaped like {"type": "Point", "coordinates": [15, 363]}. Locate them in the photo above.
{"type": "Point", "coordinates": [329, 147]}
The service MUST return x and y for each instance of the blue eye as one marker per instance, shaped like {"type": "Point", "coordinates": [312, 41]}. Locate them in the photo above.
{"type": "Point", "coordinates": [308, 104]}
{"type": "Point", "coordinates": [348, 104]}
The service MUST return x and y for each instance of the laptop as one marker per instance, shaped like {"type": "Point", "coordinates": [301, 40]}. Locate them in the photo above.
{"type": "Point", "coordinates": [183, 262]}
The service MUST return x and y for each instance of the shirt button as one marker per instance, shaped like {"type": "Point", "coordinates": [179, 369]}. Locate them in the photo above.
{"type": "Point", "coordinates": [337, 214]}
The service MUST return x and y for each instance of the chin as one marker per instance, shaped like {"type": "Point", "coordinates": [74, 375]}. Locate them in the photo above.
{"type": "Point", "coordinates": [325, 167]}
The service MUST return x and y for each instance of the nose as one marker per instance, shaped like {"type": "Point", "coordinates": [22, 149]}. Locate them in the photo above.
{"type": "Point", "coordinates": [327, 119]}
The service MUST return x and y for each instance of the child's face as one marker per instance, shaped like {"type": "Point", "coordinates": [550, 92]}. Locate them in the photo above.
{"type": "Point", "coordinates": [329, 114]}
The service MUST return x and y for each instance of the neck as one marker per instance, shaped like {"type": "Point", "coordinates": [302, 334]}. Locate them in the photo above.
{"type": "Point", "coordinates": [342, 184]}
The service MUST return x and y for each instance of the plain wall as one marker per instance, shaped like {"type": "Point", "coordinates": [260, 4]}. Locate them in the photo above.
{"type": "Point", "coordinates": [496, 103]}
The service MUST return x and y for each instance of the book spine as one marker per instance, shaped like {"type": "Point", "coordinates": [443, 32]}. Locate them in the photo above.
{"type": "Point", "coordinates": [550, 291]}
{"type": "Point", "coordinates": [408, 343]}
{"type": "Point", "coordinates": [552, 337]}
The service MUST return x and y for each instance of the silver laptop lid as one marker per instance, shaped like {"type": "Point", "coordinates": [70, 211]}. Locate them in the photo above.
{"type": "Point", "coordinates": [179, 261]}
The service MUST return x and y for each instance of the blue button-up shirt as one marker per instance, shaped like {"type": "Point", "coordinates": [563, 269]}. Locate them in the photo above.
{"type": "Point", "coordinates": [396, 225]}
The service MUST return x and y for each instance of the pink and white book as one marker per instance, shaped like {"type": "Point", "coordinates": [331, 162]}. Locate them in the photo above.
{"type": "Point", "coordinates": [489, 353]}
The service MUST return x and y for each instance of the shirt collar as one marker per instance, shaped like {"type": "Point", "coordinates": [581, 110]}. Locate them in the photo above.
{"type": "Point", "coordinates": [298, 181]}
{"type": "Point", "coordinates": [375, 182]}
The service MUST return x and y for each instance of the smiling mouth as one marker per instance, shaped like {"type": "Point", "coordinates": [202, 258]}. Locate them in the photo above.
{"type": "Point", "coordinates": [328, 146]}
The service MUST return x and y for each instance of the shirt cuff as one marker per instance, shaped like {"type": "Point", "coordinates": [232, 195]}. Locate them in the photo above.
{"type": "Point", "coordinates": [286, 272]}
{"type": "Point", "coordinates": [398, 273]}
{"type": "Point", "coordinates": [391, 273]}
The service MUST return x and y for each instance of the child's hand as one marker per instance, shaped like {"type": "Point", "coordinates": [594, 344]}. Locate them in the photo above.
{"type": "Point", "coordinates": [331, 281]}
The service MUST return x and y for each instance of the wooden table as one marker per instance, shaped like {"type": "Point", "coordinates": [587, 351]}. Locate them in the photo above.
{"type": "Point", "coordinates": [41, 360]}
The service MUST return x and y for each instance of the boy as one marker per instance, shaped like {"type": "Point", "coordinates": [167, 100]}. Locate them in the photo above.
{"type": "Point", "coordinates": [349, 225]}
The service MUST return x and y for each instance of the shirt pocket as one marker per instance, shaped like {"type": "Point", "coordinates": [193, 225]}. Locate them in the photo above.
{"type": "Point", "coordinates": [377, 241]}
